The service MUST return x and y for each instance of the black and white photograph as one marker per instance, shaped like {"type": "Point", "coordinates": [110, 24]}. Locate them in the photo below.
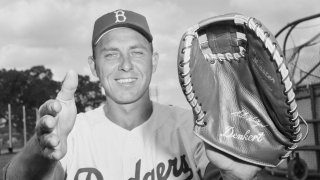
{"type": "Point", "coordinates": [159, 90]}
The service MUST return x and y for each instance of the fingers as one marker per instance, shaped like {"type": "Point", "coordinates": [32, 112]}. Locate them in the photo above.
{"type": "Point", "coordinates": [51, 107]}
{"type": "Point", "coordinates": [46, 124]}
{"type": "Point", "coordinates": [50, 135]}
{"type": "Point", "coordinates": [45, 132]}
{"type": "Point", "coordinates": [50, 141]}
{"type": "Point", "coordinates": [69, 86]}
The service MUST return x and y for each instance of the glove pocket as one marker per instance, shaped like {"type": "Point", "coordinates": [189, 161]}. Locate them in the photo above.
{"type": "Point", "coordinates": [236, 120]}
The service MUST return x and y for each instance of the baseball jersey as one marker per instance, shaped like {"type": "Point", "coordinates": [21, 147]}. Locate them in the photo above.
{"type": "Point", "coordinates": [163, 147]}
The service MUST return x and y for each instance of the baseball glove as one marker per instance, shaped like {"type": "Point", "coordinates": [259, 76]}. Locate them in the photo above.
{"type": "Point", "coordinates": [233, 74]}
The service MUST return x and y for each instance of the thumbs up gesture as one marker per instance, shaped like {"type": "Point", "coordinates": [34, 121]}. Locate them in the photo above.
{"type": "Point", "coordinates": [57, 118]}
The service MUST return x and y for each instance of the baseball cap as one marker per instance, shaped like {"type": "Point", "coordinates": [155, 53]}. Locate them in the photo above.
{"type": "Point", "coordinates": [120, 18]}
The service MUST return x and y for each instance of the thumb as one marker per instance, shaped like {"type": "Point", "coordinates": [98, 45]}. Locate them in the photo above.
{"type": "Point", "coordinates": [69, 86]}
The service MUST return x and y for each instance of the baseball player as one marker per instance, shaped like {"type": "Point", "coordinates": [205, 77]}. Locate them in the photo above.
{"type": "Point", "coordinates": [129, 137]}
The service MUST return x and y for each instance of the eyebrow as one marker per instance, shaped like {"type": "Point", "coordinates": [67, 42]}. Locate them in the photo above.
{"type": "Point", "coordinates": [109, 49]}
{"type": "Point", "coordinates": [117, 49]}
{"type": "Point", "coordinates": [138, 46]}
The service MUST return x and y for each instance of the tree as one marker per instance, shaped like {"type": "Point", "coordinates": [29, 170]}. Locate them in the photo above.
{"type": "Point", "coordinates": [88, 94]}
{"type": "Point", "coordinates": [30, 88]}
{"type": "Point", "coordinates": [34, 86]}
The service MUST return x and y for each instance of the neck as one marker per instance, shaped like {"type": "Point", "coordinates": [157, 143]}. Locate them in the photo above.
{"type": "Point", "coordinates": [129, 116]}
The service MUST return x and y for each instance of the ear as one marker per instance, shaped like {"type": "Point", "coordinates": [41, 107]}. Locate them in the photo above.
{"type": "Point", "coordinates": [155, 58]}
{"type": "Point", "coordinates": [92, 66]}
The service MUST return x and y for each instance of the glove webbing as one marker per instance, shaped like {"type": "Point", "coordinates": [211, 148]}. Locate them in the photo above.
{"type": "Point", "coordinates": [213, 57]}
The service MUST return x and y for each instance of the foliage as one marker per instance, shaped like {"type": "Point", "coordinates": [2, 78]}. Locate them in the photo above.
{"type": "Point", "coordinates": [88, 94]}
{"type": "Point", "coordinates": [34, 86]}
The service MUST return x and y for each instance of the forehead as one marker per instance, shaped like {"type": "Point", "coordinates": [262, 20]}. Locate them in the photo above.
{"type": "Point", "coordinates": [122, 34]}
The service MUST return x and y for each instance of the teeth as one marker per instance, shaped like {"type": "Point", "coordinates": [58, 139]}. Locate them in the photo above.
{"type": "Point", "coordinates": [123, 81]}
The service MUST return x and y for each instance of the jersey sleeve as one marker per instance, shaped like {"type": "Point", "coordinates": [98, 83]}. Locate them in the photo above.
{"type": "Point", "coordinates": [206, 170]}
{"type": "Point", "coordinates": [196, 145]}
{"type": "Point", "coordinates": [200, 157]}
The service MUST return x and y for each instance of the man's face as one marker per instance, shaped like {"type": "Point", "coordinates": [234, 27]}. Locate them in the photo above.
{"type": "Point", "coordinates": [124, 63]}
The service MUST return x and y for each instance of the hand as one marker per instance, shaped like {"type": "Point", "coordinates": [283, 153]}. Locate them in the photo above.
{"type": "Point", "coordinates": [231, 168]}
{"type": "Point", "coordinates": [57, 118]}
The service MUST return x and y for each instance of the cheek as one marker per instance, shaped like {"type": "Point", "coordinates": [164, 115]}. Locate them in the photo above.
{"type": "Point", "coordinates": [146, 67]}
{"type": "Point", "coordinates": [104, 70]}
{"type": "Point", "coordinates": [149, 69]}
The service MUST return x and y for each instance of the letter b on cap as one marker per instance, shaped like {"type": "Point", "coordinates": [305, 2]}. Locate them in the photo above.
{"type": "Point", "coordinates": [120, 17]}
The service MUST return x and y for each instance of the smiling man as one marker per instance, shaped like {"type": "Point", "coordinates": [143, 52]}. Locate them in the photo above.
{"type": "Point", "coordinates": [129, 137]}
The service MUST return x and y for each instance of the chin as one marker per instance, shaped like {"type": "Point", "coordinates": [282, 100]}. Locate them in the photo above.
{"type": "Point", "coordinates": [125, 101]}
{"type": "Point", "coordinates": [125, 98]}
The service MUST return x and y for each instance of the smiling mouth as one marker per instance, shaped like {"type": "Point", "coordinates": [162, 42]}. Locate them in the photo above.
{"type": "Point", "coordinates": [125, 81]}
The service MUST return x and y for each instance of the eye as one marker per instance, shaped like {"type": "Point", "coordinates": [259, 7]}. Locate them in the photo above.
{"type": "Point", "coordinates": [137, 53]}
{"type": "Point", "coordinates": [111, 55]}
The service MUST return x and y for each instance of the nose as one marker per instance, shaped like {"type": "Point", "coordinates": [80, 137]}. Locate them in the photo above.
{"type": "Point", "coordinates": [125, 64]}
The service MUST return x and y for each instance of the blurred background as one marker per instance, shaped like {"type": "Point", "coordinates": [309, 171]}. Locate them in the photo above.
{"type": "Point", "coordinates": [40, 40]}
